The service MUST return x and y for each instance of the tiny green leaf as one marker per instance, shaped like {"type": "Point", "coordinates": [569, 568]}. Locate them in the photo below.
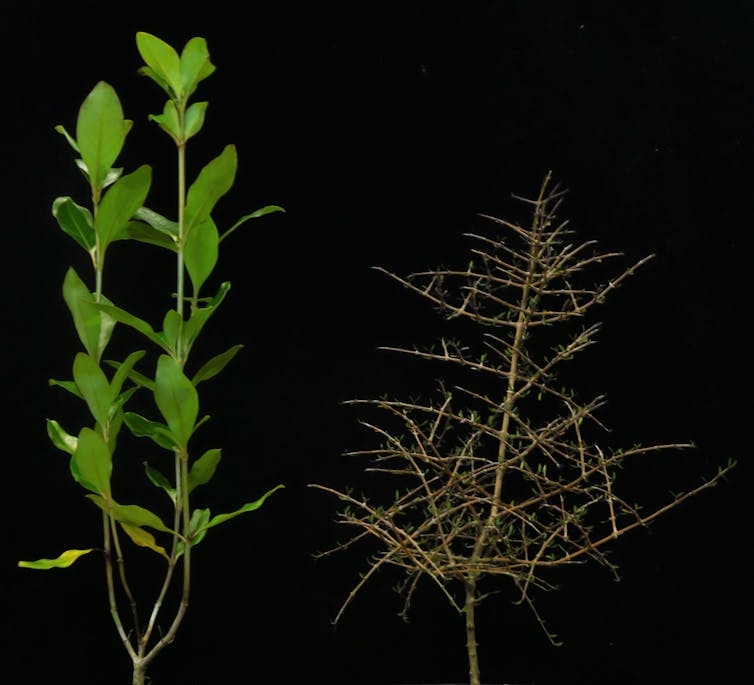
{"type": "Point", "coordinates": [194, 119]}
{"type": "Point", "coordinates": [200, 316]}
{"type": "Point", "coordinates": [63, 561]}
{"type": "Point", "coordinates": [203, 469]}
{"type": "Point", "coordinates": [215, 365]}
{"type": "Point", "coordinates": [168, 121]}
{"type": "Point", "coordinates": [76, 221]}
{"type": "Point", "coordinates": [176, 398]}
{"type": "Point", "coordinates": [62, 131]}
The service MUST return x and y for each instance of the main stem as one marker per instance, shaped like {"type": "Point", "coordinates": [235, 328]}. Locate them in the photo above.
{"type": "Point", "coordinates": [471, 643]}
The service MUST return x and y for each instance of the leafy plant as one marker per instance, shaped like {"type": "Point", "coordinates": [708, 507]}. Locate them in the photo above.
{"type": "Point", "coordinates": [117, 212]}
{"type": "Point", "coordinates": [500, 475]}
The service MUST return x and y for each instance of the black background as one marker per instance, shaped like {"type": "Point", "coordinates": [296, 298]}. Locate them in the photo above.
{"type": "Point", "coordinates": [383, 129]}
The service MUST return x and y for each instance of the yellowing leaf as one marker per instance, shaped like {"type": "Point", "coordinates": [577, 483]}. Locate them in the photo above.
{"type": "Point", "coordinates": [63, 561]}
{"type": "Point", "coordinates": [143, 538]}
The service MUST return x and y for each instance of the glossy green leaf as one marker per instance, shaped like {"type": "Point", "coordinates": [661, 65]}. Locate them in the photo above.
{"type": "Point", "coordinates": [61, 438]}
{"type": "Point", "coordinates": [176, 398]}
{"type": "Point", "coordinates": [91, 463]}
{"type": "Point", "coordinates": [93, 386]}
{"type": "Point", "coordinates": [215, 365]}
{"type": "Point", "coordinates": [143, 538]}
{"type": "Point", "coordinates": [168, 121]}
{"type": "Point", "coordinates": [76, 221]}
{"type": "Point", "coordinates": [200, 316]}
{"type": "Point", "coordinates": [94, 327]}
{"type": "Point", "coordinates": [203, 469]}
{"type": "Point", "coordinates": [195, 64]}
{"type": "Point", "coordinates": [144, 428]}
{"type": "Point", "coordinates": [144, 233]}
{"type": "Point", "coordinates": [269, 209]}
{"type": "Point", "coordinates": [132, 514]}
{"type": "Point", "coordinates": [157, 221]}
{"type": "Point", "coordinates": [251, 506]}
{"type": "Point", "coordinates": [194, 119]}
{"type": "Point", "coordinates": [160, 480]}
{"type": "Point", "coordinates": [214, 180]}
{"type": "Point", "coordinates": [100, 131]}
{"type": "Point", "coordinates": [121, 203]}
{"type": "Point", "coordinates": [201, 251]}
{"type": "Point", "coordinates": [63, 561]}
{"type": "Point", "coordinates": [162, 60]}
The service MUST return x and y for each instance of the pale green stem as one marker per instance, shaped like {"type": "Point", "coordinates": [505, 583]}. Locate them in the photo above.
{"type": "Point", "coordinates": [111, 588]}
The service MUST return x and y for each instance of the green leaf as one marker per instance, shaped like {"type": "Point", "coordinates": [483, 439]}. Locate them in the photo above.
{"type": "Point", "coordinates": [120, 204]}
{"type": "Point", "coordinates": [93, 386]}
{"type": "Point", "coordinates": [70, 386]}
{"type": "Point", "coordinates": [60, 438]}
{"type": "Point", "coordinates": [144, 428]}
{"type": "Point", "coordinates": [144, 233]}
{"type": "Point", "coordinates": [143, 538]}
{"type": "Point", "coordinates": [168, 121]}
{"type": "Point", "coordinates": [200, 316]}
{"type": "Point", "coordinates": [199, 519]}
{"type": "Point", "coordinates": [176, 398]}
{"type": "Point", "coordinates": [215, 365]}
{"type": "Point", "coordinates": [269, 209]}
{"type": "Point", "coordinates": [214, 180]}
{"type": "Point", "coordinates": [203, 469]}
{"type": "Point", "coordinates": [63, 561]}
{"type": "Point", "coordinates": [100, 132]}
{"type": "Point", "coordinates": [194, 119]}
{"type": "Point", "coordinates": [251, 506]}
{"type": "Point", "coordinates": [157, 221]}
{"type": "Point", "coordinates": [160, 480]}
{"type": "Point", "coordinates": [139, 379]}
{"type": "Point", "coordinates": [200, 252]}
{"type": "Point", "coordinates": [132, 514]}
{"type": "Point", "coordinates": [162, 61]}
{"type": "Point", "coordinates": [94, 327]}
{"type": "Point", "coordinates": [91, 464]}
{"type": "Point", "coordinates": [195, 64]}
{"type": "Point", "coordinates": [123, 371]}
{"type": "Point", "coordinates": [76, 221]}
{"type": "Point", "coordinates": [124, 317]}
{"type": "Point", "coordinates": [171, 329]}
{"type": "Point", "coordinates": [62, 131]}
